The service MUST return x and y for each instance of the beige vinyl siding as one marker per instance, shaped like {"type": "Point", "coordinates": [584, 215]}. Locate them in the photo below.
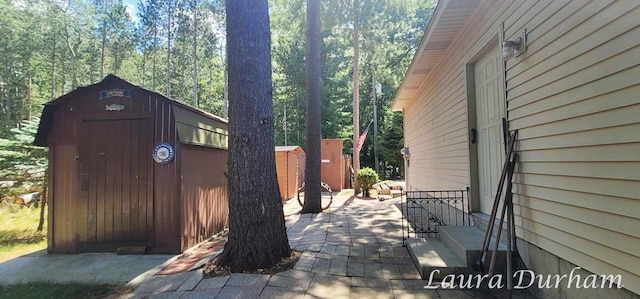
{"type": "Point", "coordinates": [574, 97]}
{"type": "Point", "coordinates": [436, 122]}
{"type": "Point", "coordinates": [439, 142]}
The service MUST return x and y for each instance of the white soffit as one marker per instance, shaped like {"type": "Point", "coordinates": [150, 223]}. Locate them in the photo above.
{"type": "Point", "coordinates": [446, 22]}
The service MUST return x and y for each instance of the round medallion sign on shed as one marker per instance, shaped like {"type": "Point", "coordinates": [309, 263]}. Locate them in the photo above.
{"type": "Point", "coordinates": [163, 153]}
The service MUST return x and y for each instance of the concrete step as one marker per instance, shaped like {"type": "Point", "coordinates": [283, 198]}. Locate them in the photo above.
{"type": "Point", "coordinates": [466, 243]}
{"type": "Point", "coordinates": [481, 221]}
{"type": "Point", "coordinates": [432, 254]}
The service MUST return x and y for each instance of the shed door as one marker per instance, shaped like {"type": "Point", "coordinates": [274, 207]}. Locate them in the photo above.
{"type": "Point", "coordinates": [115, 205]}
{"type": "Point", "coordinates": [490, 109]}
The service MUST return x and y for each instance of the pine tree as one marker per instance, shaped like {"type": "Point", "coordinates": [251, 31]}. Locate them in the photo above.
{"type": "Point", "coordinates": [20, 160]}
{"type": "Point", "coordinates": [257, 231]}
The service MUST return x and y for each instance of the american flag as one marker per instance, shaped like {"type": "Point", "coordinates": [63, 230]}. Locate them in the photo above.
{"type": "Point", "coordinates": [363, 137]}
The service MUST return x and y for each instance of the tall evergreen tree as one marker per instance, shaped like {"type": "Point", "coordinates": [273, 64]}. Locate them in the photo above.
{"type": "Point", "coordinates": [168, 16]}
{"type": "Point", "coordinates": [148, 38]}
{"type": "Point", "coordinates": [194, 6]}
{"type": "Point", "coordinates": [312, 192]}
{"type": "Point", "coordinates": [19, 158]}
{"type": "Point", "coordinates": [257, 232]}
{"type": "Point", "coordinates": [121, 38]}
{"type": "Point", "coordinates": [103, 7]}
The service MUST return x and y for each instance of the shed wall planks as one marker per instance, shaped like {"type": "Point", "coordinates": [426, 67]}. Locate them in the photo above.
{"type": "Point", "coordinates": [204, 204]}
{"type": "Point", "coordinates": [106, 189]}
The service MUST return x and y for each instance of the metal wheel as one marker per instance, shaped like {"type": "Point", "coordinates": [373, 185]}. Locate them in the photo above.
{"type": "Point", "coordinates": [326, 199]}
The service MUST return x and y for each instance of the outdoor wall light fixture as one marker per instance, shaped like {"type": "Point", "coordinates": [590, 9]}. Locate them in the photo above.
{"type": "Point", "coordinates": [405, 152]}
{"type": "Point", "coordinates": [515, 47]}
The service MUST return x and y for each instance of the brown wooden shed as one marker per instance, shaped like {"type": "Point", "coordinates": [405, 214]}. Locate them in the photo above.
{"type": "Point", "coordinates": [332, 167]}
{"type": "Point", "coordinates": [290, 161]}
{"type": "Point", "coordinates": [131, 167]}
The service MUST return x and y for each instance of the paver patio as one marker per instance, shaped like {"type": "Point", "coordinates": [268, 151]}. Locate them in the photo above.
{"type": "Point", "coordinates": [353, 250]}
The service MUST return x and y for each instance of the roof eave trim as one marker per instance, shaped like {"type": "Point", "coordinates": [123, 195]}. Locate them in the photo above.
{"type": "Point", "coordinates": [397, 104]}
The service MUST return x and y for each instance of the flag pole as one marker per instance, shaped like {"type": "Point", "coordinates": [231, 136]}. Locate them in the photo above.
{"type": "Point", "coordinates": [375, 118]}
{"type": "Point", "coordinates": [363, 136]}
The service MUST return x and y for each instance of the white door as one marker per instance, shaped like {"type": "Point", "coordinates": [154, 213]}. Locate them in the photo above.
{"type": "Point", "coordinates": [490, 109]}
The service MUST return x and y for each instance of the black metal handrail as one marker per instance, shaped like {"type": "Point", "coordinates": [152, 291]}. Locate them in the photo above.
{"type": "Point", "coordinates": [425, 211]}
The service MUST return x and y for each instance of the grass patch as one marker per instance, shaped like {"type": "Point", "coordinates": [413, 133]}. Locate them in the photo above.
{"type": "Point", "coordinates": [48, 290]}
{"type": "Point", "coordinates": [18, 235]}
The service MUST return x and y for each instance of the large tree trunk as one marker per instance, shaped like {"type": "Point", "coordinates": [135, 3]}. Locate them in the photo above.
{"type": "Point", "coordinates": [257, 232]}
{"type": "Point", "coordinates": [312, 192]}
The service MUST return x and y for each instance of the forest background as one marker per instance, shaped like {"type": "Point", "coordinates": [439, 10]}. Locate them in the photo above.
{"type": "Point", "coordinates": [177, 48]}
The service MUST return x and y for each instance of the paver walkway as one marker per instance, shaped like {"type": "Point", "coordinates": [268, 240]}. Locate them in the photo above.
{"type": "Point", "coordinates": [353, 250]}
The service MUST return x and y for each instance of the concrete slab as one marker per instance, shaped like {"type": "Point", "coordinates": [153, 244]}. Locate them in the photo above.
{"type": "Point", "coordinates": [108, 268]}
{"type": "Point", "coordinates": [434, 259]}
{"type": "Point", "coordinates": [466, 242]}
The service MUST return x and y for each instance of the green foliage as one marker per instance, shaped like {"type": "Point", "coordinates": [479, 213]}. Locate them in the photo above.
{"type": "Point", "coordinates": [48, 48]}
{"type": "Point", "coordinates": [390, 35]}
{"type": "Point", "coordinates": [367, 177]}
{"type": "Point", "coordinates": [390, 31]}
{"type": "Point", "coordinates": [20, 160]}
{"type": "Point", "coordinates": [390, 143]}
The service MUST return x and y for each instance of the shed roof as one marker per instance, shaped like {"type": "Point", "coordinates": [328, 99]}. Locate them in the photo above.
{"type": "Point", "coordinates": [194, 126]}
{"type": "Point", "coordinates": [289, 148]}
{"type": "Point", "coordinates": [447, 20]}
{"type": "Point", "coordinates": [200, 128]}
